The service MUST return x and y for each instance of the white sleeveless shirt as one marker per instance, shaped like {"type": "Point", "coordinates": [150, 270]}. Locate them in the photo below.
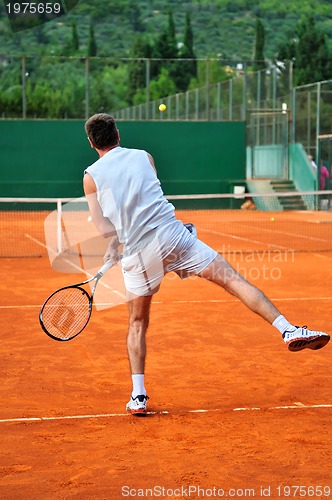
{"type": "Point", "coordinates": [129, 194]}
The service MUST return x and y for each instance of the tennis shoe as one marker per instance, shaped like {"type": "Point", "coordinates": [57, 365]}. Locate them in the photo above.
{"type": "Point", "coordinates": [137, 405]}
{"type": "Point", "coordinates": [302, 338]}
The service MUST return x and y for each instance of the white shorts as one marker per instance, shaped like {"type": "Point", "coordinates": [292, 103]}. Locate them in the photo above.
{"type": "Point", "coordinates": [170, 247]}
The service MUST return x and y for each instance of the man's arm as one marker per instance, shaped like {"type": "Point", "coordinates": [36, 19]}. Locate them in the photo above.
{"type": "Point", "coordinates": [152, 162]}
{"type": "Point", "coordinates": [103, 224]}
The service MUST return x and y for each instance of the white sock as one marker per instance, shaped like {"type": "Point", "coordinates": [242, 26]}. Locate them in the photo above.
{"type": "Point", "coordinates": [282, 324]}
{"type": "Point", "coordinates": [138, 385]}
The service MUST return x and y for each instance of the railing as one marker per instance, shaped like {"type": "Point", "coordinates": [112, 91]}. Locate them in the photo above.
{"type": "Point", "coordinates": [55, 87]}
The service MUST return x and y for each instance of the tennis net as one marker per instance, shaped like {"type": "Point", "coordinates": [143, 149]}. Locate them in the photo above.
{"type": "Point", "coordinates": [294, 221]}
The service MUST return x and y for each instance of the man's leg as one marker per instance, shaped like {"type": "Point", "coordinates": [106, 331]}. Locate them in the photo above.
{"type": "Point", "coordinates": [222, 273]}
{"type": "Point", "coordinates": [139, 313]}
{"type": "Point", "coordinates": [296, 338]}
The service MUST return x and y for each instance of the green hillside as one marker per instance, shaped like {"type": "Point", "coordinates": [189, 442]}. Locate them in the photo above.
{"type": "Point", "coordinates": [221, 27]}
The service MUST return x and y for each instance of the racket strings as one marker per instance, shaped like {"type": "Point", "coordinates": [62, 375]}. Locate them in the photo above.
{"type": "Point", "coordinates": [66, 312]}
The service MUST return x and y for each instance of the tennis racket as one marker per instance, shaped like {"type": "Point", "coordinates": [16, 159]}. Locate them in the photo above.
{"type": "Point", "coordinates": [66, 312]}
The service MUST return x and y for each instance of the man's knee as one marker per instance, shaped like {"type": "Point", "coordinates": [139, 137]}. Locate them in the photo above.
{"type": "Point", "coordinates": [139, 322]}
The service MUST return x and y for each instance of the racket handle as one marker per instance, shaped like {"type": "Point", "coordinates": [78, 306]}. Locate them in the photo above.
{"type": "Point", "coordinates": [110, 263]}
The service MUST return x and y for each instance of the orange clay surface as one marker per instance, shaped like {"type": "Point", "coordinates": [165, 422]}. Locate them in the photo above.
{"type": "Point", "coordinates": [243, 413]}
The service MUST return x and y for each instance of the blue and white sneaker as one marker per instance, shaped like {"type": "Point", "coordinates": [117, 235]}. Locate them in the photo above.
{"type": "Point", "coordinates": [191, 228]}
{"type": "Point", "coordinates": [138, 405]}
{"type": "Point", "coordinates": [302, 338]}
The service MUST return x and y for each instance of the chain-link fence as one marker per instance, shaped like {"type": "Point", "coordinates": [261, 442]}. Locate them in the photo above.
{"type": "Point", "coordinates": [227, 100]}
{"type": "Point", "coordinates": [61, 87]}
{"type": "Point", "coordinates": [312, 112]}
{"type": "Point", "coordinates": [55, 87]}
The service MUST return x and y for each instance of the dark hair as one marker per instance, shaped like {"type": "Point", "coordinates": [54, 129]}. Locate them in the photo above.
{"type": "Point", "coordinates": [101, 130]}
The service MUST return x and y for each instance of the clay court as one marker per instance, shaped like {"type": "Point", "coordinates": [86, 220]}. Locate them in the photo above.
{"type": "Point", "coordinates": [232, 413]}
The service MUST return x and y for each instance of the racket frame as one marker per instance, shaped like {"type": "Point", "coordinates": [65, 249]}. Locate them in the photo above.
{"type": "Point", "coordinates": [78, 286]}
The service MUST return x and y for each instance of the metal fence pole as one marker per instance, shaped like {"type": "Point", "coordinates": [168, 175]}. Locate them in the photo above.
{"type": "Point", "coordinates": [244, 92]}
{"type": "Point", "coordinates": [187, 105]}
{"type": "Point", "coordinates": [274, 91]}
{"type": "Point", "coordinates": [294, 115]}
{"type": "Point", "coordinates": [87, 90]}
{"type": "Point", "coordinates": [308, 121]}
{"type": "Point", "coordinates": [259, 88]}
{"type": "Point", "coordinates": [24, 88]}
{"type": "Point", "coordinates": [291, 76]}
{"type": "Point", "coordinates": [231, 99]}
{"type": "Point", "coordinates": [274, 103]}
{"type": "Point", "coordinates": [169, 107]}
{"type": "Point", "coordinates": [147, 86]}
{"type": "Point", "coordinates": [207, 103]}
{"type": "Point", "coordinates": [319, 88]}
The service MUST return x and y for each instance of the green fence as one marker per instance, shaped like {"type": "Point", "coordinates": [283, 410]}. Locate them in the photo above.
{"type": "Point", "coordinates": [47, 158]}
{"type": "Point", "coordinates": [301, 171]}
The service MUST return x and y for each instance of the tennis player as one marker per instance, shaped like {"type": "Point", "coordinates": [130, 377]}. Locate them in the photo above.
{"type": "Point", "coordinates": [127, 203]}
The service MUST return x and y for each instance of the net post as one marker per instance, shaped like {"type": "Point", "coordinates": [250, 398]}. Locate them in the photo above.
{"type": "Point", "coordinates": [58, 226]}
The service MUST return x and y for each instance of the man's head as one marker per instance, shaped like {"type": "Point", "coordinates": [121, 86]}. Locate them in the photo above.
{"type": "Point", "coordinates": [101, 131]}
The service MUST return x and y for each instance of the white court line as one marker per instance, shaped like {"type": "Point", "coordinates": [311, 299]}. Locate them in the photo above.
{"type": "Point", "coordinates": [49, 249]}
{"type": "Point", "coordinates": [242, 238]}
{"type": "Point", "coordinates": [78, 268]}
{"type": "Point", "coordinates": [293, 235]}
{"type": "Point", "coordinates": [274, 246]}
{"type": "Point", "coordinates": [322, 256]}
{"type": "Point", "coordinates": [295, 406]}
{"type": "Point", "coordinates": [280, 299]}
{"type": "Point", "coordinates": [169, 302]}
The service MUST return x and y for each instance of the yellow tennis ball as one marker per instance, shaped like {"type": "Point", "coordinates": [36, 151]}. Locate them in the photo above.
{"type": "Point", "coordinates": [272, 219]}
{"type": "Point", "coordinates": [162, 107]}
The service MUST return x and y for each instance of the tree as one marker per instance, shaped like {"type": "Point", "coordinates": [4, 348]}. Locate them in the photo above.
{"type": "Point", "coordinates": [137, 69]}
{"type": "Point", "coordinates": [162, 86]}
{"type": "Point", "coordinates": [165, 48]}
{"type": "Point", "coordinates": [312, 58]}
{"type": "Point", "coordinates": [186, 70]}
{"type": "Point", "coordinates": [75, 42]}
{"type": "Point", "coordinates": [309, 52]}
{"type": "Point", "coordinates": [108, 90]}
{"type": "Point", "coordinates": [135, 17]}
{"type": "Point", "coordinates": [259, 60]}
{"type": "Point", "coordinates": [92, 48]}
{"type": "Point", "coordinates": [173, 48]}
